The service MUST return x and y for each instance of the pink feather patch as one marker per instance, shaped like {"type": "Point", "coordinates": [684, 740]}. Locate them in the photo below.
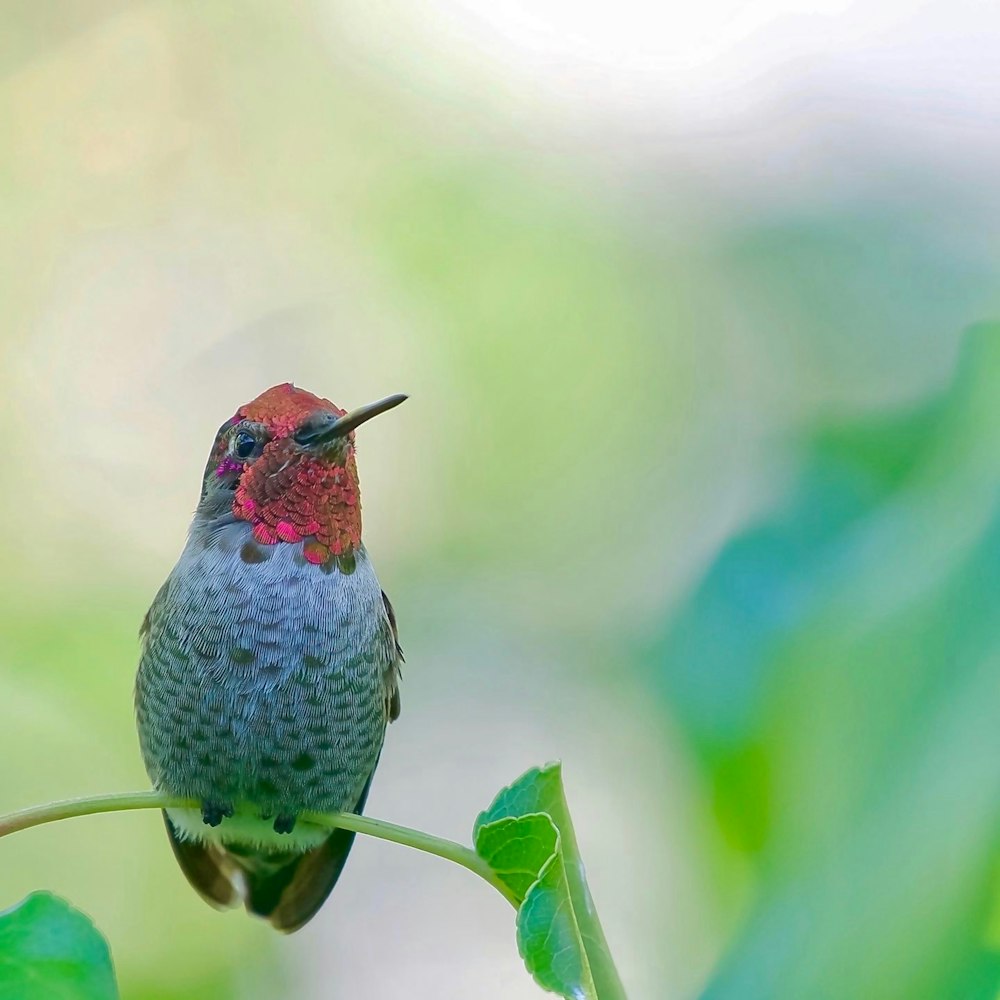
{"type": "Point", "coordinates": [285, 530]}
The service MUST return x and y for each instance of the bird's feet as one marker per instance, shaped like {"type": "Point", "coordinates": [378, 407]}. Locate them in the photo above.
{"type": "Point", "coordinates": [213, 813]}
{"type": "Point", "coordinates": [284, 823]}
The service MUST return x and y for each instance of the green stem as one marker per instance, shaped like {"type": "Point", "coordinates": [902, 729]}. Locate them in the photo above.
{"type": "Point", "coordinates": [417, 839]}
{"type": "Point", "coordinates": [447, 849]}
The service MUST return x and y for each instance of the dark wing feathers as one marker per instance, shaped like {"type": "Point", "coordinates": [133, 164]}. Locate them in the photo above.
{"type": "Point", "coordinates": [395, 667]}
{"type": "Point", "coordinates": [208, 868]}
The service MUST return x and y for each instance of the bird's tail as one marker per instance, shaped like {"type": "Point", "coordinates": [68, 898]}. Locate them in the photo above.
{"type": "Point", "coordinates": [288, 889]}
{"type": "Point", "coordinates": [284, 887]}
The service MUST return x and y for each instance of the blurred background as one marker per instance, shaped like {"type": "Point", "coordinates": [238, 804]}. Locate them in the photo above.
{"type": "Point", "coordinates": [697, 488]}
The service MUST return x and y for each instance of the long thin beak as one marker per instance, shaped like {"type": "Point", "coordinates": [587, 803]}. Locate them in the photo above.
{"type": "Point", "coordinates": [347, 423]}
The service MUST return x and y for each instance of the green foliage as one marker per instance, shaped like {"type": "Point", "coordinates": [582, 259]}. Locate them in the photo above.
{"type": "Point", "coordinates": [527, 837]}
{"type": "Point", "coordinates": [836, 674]}
{"type": "Point", "coordinates": [50, 951]}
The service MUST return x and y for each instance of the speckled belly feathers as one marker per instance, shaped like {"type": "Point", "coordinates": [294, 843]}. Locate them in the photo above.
{"type": "Point", "coordinates": [266, 684]}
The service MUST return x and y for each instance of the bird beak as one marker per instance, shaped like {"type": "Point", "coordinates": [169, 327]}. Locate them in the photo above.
{"type": "Point", "coordinates": [347, 423]}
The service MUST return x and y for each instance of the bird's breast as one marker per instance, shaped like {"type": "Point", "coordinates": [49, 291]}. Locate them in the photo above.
{"type": "Point", "coordinates": [264, 677]}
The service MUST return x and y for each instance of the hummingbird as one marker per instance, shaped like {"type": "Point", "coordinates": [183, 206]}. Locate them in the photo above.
{"type": "Point", "coordinates": [270, 661]}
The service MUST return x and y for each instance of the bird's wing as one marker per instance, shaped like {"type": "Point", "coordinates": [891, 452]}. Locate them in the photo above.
{"type": "Point", "coordinates": [392, 680]}
{"type": "Point", "coordinates": [211, 871]}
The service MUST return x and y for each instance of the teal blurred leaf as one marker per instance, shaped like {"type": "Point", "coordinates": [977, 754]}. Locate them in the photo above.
{"type": "Point", "coordinates": [865, 286]}
{"type": "Point", "coordinates": [51, 951]}
{"type": "Point", "coordinates": [838, 674]}
{"type": "Point", "coordinates": [527, 837]}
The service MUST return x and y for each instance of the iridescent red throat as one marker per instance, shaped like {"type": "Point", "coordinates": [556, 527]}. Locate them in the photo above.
{"type": "Point", "coordinates": [289, 494]}
{"type": "Point", "coordinates": [290, 497]}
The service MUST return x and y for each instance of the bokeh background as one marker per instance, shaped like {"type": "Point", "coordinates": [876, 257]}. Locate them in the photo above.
{"type": "Point", "coordinates": [697, 488]}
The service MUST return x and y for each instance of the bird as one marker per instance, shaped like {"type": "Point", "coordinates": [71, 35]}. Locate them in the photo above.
{"type": "Point", "coordinates": [270, 661]}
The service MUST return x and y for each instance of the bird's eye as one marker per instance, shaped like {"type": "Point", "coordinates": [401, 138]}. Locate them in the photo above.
{"type": "Point", "coordinates": [244, 444]}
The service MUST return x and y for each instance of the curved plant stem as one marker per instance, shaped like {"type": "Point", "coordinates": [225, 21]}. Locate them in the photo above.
{"type": "Point", "coordinates": [69, 808]}
{"type": "Point", "coordinates": [447, 849]}
{"type": "Point", "coordinates": [417, 839]}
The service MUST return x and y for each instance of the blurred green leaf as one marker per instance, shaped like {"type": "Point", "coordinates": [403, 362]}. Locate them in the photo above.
{"type": "Point", "coordinates": [51, 951]}
{"type": "Point", "coordinates": [527, 837]}
{"type": "Point", "coordinates": [837, 672]}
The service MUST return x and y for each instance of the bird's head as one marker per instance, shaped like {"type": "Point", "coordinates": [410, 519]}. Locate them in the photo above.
{"type": "Point", "coordinates": [284, 463]}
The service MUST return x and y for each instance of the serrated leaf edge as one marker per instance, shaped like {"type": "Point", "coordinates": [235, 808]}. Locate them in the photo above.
{"type": "Point", "coordinates": [534, 771]}
{"type": "Point", "coordinates": [583, 993]}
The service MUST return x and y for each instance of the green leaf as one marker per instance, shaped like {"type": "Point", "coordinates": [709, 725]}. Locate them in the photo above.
{"type": "Point", "coordinates": [50, 951]}
{"type": "Point", "coordinates": [518, 848]}
{"type": "Point", "coordinates": [527, 838]}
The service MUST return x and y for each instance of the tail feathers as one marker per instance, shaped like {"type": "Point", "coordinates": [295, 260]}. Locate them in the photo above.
{"type": "Point", "coordinates": [283, 887]}
{"type": "Point", "coordinates": [288, 889]}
